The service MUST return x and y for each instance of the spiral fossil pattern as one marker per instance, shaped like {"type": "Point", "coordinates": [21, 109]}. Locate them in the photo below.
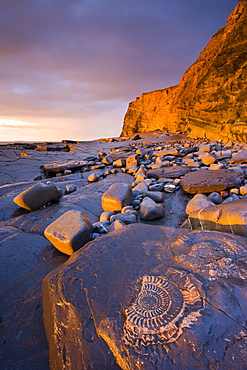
{"type": "Point", "coordinates": [158, 302]}
{"type": "Point", "coordinates": [158, 314]}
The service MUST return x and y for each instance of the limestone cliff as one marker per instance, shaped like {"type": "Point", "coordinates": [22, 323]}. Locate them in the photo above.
{"type": "Point", "coordinates": [211, 98]}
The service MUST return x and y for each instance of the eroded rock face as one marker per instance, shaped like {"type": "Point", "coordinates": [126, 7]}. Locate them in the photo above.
{"type": "Point", "coordinates": [210, 100]}
{"type": "Point", "coordinates": [149, 297]}
{"type": "Point", "coordinates": [230, 217]}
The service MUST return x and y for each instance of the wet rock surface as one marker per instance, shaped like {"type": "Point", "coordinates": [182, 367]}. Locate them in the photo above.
{"type": "Point", "coordinates": [27, 260]}
{"type": "Point", "coordinates": [240, 157]}
{"type": "Point", "coordinates": [150, 297]}
{"type": "Point", "coordinates": [210, 180]}
{"type": "Point", "coordinates": [69, 232]}
{"type": "Point", "coordinates": [153, 174]}
{"type": "Point", "coordinates": [116, 197]}
{"type": "Point", "coordinates": [172, 172]}
{"type": "Point", "coordinates": [228, 217]}
{"type": "Point", "coordinates": [37, 196]}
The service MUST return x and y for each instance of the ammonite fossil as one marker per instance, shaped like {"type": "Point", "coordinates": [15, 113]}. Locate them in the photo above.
{"type": "Point", "coordinates": [162, 308]}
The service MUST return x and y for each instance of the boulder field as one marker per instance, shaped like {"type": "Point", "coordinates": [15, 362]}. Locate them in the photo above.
{"type": "Point", "coordinates": [210, 100]}
{"type": "Point", "coordinates": [141, 246]}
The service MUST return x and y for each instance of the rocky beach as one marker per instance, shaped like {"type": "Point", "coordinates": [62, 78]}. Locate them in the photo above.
{"type": "Point", "coordinates": [141, 248]}
{"type": "Point", "coordinates": [130, 252]}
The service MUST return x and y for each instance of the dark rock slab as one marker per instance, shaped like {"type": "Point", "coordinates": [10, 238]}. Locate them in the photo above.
{"type": "Point", "coordinates": [185, 152]}
{"type": "Point", "coordinates": [207, 181]}
{"type": "Point", "coordinates": [150, 297]}
{"type": "Point", "coordinates": [25, 260]}
{"type": "Point", "coordinates": [228, 217]}
{"type": "Point", "coordinates": [50, 147]}
{"type": "Point", "coordinates": [27, 146]}
{"type": "Point", "coordinates": [52, 168]}
{"type": "Point", "coordinates": [120, 155]}
{"type": "Point", "coordinates": [173, 172]}
{"type": "Point", "coordinates": [20, 252]}
{"type": "Point", "coordinates": [70, 141]}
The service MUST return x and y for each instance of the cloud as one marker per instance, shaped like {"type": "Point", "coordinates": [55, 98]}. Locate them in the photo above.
{"type": "Point", "coordinates": [75, 60]}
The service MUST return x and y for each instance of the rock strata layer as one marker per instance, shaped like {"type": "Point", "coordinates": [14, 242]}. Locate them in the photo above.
{"type": "Point", "coordinates": [210, 100]}
{"type": "Point", "coordinates": [227, 217]}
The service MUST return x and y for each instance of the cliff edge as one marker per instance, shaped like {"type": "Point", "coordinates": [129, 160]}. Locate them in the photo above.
{"type": "Point", "coordinates": [211, 98]}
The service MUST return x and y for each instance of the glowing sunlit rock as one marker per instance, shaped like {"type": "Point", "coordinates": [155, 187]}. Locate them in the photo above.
{"type": "Point", "coordinates": [37, 196]}
{"type": "Point", "coordinates": [210, 100]}
{"type": "Point", "coordinates": [116, 197]}
{"type": "Point", "coordinates": [69, 232]}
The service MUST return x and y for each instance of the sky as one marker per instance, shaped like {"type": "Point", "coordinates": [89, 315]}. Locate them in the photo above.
{"type": "Point", "coordinates": [69, 68]}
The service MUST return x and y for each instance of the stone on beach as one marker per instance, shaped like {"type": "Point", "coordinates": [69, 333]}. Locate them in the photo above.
{"type": "Point", "coordinates": [240, 157]}
{"type": "Point", "coordinates": [52, 168]}
{"type": "Point", "coordinates": [174, 172]}
{"type": "Point", "coordinates": [162, 153]}
{"type": "Point", "coordinates": [116, 197]}
{"type": "Point", "coordinates": [132, 161]}
{"type": "Point", "coordinates": [126, 218]}
{"type": "Point", "coordinates": [116, 225]}
{"type": "Point", "coordinates": [243, 190]}
{"type": "Point", "coordinates": [157, 196]}
{"type": "Point", "coordinates": [156, 187]}
{"type": "Point", "coordinates": [216, 197]}
{"type": "Point", "coordinates": [101, 227]}
{"type": "Point", "coordinates": [107, 160]}
{"type": "Point", "coordinates": [229, 217]}
{"type": "Point", "coordinates": [169, 188]}
{"type": "Point", "coordinates": [198, 202]}
{"type": "Point", "coordinates": [119, 163]}
{"type": "Point", "coordinates": [149, 210]}
{"type": "Point", "coordinates": [216, 166]}
{"type": "Point", "coordinates": [70, 189]}
{"type": "Point", "coordinates": [129, 209]}
{"type": "Point", "coordinates": [208, 181]}
{"type": "Point", "coordinates": [204, 148]}
{"type": "Point", "coordinates": [69, 232]}
{"type": "Point", "coordinates": [208, 159]}
{"type": "Point", "coordinates": [140, 188]}
{"type": "Point", "coordinates": [105, 216]}
{"type": "Point", "coordinates": [93, 177]}
{"type": "Point", "coordinates": [140, 177]}
{"type": "Point", "coordinates": [37, 196]}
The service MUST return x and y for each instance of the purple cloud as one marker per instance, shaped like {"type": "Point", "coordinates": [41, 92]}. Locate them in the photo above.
{"type": "Point", "coordinates": [79, 61]}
